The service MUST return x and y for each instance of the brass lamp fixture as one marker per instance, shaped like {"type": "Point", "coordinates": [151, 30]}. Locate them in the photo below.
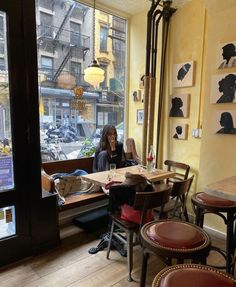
{"type": "Point", "coordinates": [94, 74]}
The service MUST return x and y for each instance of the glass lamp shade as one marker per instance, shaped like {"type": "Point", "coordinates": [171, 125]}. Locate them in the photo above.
{"type": "Point", "coordinates": [94, 74]}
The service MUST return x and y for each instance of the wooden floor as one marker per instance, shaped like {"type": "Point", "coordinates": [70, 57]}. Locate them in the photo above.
{"type": "Point", "coordinates": [71, 265]}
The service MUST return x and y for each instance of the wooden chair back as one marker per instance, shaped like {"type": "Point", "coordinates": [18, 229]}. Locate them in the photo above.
{"type": "Point", "coordinates": [182, 187]}
{"type": "Point", "coordinates": [148, 200]}
{"type": "Point", "coordinates": [131, 149]}
{"type": "Point", "coordinates": [181, 170]}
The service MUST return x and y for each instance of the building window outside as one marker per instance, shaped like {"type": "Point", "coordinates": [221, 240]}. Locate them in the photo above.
{"type": "Point", "coordinates": [104, 83]}
{"type": "Point", "coordinates": [47, 66]}
{"type": "Point", "coordinates": [1, 27]}
{"type": "Point", "coordinates": [62, 61]}
{"type": "Point", "coordinates": [103, 38]}
{"type": "Point", "coordinates": [46, 27]}
{"type": "Point", "coordinates": [75, 69]}
{"type": "Point", "coordinates": [75, 34]}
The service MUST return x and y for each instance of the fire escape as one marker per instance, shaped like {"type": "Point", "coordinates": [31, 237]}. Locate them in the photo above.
{"type": "Point", "coordinates": [51, 38]}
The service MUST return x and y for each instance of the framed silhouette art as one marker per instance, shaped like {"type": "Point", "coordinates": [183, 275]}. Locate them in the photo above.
{"type": "Point", "coordinates": [140, 117]}
{"type": "Point", "coordinates": [225, 122]}
{"type": "Point", "coordinates": [179, 131]}
{"type": "Point", "coordinates": [179, 106]}
{"type": "Point", "coordinates": [226, 55]}
{"type": "Point", "coordinates": [223, 88]}
{"type": "Point", "coordinates": [183, 74]}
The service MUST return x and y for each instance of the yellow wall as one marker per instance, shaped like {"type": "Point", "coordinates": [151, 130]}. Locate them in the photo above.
{"type": "Point", "coordinates": [195, 31]}
{"type": "Point", "coordinates": [137, 66]}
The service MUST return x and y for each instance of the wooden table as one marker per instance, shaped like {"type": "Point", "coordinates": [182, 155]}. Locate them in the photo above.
{"type": "Point", "coordinates": [102, 178]}
{"type": "Point", "coordinates": [225, 188]}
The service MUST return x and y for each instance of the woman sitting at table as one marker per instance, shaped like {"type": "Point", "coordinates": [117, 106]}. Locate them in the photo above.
{"type": "Point", "coordinates": [109, 150]}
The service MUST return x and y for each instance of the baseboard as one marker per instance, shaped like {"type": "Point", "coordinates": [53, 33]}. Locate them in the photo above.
{"type": "Point", "coordinates": [209, 230]}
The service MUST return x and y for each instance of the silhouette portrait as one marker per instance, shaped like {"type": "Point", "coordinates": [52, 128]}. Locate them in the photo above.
{"type": "Point", "coordinates": [183, 74]}
{"type": "Point", "coordinates": [175, 110]}
{"type": "Point", "coordinates": [183, 71]}
{"type": "Point", "coordinates": [226, 121]}
{"type": "Point", "coordinates": [228, 54]}
{"type": "Point", "coordinates": [227, 86]}
{"type": "Point", "coordinates": [178, 133]}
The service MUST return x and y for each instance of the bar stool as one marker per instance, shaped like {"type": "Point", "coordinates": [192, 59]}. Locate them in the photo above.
{"type": "Point", "coordinates": [204, 203]}
{"type": "Point", "coordinates": [173, 239]}
{"type": "Point", "coordinates": [193, 275]}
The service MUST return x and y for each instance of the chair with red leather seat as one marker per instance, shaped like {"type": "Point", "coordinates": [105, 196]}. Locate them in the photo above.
{"type": "Point", "coordinates": [173, 239]}
{"type": "Point", "coordinates": [194, 275]}
{"type": "Point", "coordinates": [204, 203]}
{"type": "Point", "coordinates": [143, 201]}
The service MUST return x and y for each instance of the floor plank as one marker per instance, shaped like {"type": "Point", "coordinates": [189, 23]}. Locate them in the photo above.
{"type": "Point", "coordinates": [70, 265]}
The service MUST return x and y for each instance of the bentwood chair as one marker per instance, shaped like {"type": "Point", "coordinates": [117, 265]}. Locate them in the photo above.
{"type": "Point", "coordinates": [204, 203]}
{"type": "Point", "coordinates": [181, 170]}
{"type": "Point", "coordinates": [173, 239]}
{"type": "Point", "coordinates": [193, 275]}
{"type": "Point", "coordinates": [176, 206]}
{"type": "Point", "coordinates": [143, 201]}
{"type": "Point", "coordinates": [181, 173]}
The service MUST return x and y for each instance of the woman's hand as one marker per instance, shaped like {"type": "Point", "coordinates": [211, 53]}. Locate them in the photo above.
{"type": "Point", "coordinates": [112, 142]}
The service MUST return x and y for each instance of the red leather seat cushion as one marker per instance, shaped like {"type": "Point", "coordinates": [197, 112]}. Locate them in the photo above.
{"type": "Point", "coordinates": [178, 235]}
{"type": "Point", "coordinates": [128, 213]}
{"type": "Point", "coordinates": [195, 278]}
{"type": "Point", "coordinates": [205, 198]}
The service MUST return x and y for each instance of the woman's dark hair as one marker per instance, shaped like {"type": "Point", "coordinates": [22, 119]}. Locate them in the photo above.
{"type": "Point", "coordinates": [104, 135]}
{"type": "Point", "coordinates": [226, 121]}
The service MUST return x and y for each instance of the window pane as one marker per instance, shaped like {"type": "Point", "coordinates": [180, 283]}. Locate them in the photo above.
{"type": "Point", "coordinates": [103, 38]}
{"type": "Point", "coordinates": [6, 168]}
{"type": "Point", "coordinates": [7, 221]}
{"type": "Point", "coordinates": [70, 121]}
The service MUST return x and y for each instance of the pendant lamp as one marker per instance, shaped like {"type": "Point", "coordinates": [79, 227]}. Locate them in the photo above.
{"type": "Point", "coordinates": [94, 74]}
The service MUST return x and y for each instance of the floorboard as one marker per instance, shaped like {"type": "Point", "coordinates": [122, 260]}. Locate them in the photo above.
{"type": "Point", "coordinates": [70, 265]}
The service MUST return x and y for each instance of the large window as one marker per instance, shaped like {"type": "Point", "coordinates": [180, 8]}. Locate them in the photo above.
{"type": "Point", "coordinates": [70, 120]}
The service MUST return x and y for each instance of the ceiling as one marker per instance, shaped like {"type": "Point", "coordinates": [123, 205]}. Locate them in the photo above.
{"type": "Point", "coordinates": [132, 7]}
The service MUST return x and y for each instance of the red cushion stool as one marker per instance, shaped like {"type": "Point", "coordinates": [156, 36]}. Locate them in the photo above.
{"type": "Point", "coordinates": [173, 239]}
{"type": "Point", "coordinates": [204, 203]}
{"type": "Point", "coordinates": [194, 275]}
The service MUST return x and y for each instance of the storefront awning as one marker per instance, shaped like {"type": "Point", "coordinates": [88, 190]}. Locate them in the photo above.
{"type": "Point", "coordinates": [64, 93]}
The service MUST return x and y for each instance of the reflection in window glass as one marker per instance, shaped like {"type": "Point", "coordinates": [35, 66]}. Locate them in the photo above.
{"type": "Point", "coordinates": [71, 122]}
{"type": "Point", "coordinates": [6, 170]}
{"type": "Point", "coordinates": [7, 221]}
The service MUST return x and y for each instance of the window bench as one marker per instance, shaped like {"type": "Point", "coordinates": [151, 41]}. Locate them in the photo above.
{"type": "Point", "coordinates": [68, 166]}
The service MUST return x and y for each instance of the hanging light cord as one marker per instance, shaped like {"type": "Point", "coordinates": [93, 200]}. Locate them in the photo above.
{"type": "Point", "coordinates": [93, 30]}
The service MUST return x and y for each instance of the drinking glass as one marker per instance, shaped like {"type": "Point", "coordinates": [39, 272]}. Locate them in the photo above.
{"type": "Point", "coordinates": [112, 170]}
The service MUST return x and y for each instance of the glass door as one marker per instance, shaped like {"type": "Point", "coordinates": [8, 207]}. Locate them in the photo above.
{"type": "Point", "coordinates": [16, 145]}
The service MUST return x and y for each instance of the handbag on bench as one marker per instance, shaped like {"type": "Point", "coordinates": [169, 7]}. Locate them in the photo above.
{"type": "Point", "coordinates": [72, 184]}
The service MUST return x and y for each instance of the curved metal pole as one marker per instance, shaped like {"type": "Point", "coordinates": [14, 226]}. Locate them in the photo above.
{"type": "Point", "coordinates": [152, 91]}
{"type": "Point", "coordinates": [167, 12]}
{"type": "Point", "coordinates": [146, 80]}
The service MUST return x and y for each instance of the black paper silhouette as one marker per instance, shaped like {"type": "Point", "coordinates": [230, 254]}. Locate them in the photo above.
{"type": "Point", "coordinates": [175, 110]}
{"type": "Point", "coordinates": [178, 133]}
{"type": "Point", "coordinates": [226, 121]}
{"type": "Point", "coordinates": [228, 54]}
{"type": "Point", "coordinates": [183, 71]}
{"type": "Point", "coordinates": [227, 86]}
